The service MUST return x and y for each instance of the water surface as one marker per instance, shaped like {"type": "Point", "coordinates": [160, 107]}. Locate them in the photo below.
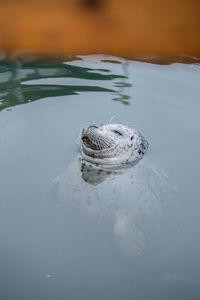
{"type": "Point", "coordinates": [48, 252]}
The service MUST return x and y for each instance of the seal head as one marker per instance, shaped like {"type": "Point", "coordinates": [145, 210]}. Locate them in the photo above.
{"type": "Point", "coordinates": [112, 144]}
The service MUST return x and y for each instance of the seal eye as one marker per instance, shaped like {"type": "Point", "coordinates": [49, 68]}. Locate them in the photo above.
{"type": "Point", "coordinates": [117, 132]}
{"type": "Point", "coordinates": [131, 138]}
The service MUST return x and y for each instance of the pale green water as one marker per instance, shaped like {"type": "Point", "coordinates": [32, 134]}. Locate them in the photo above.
{"type": "Point", "coordinates": [47, 252]}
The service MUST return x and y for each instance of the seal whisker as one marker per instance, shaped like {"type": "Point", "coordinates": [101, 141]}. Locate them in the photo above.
{"type": "Point", "coordinates": [107, 143]}
{"type": "Point", "coordinates": [98, 144]}
{"type": "Point", "coordinates": [112, 118]}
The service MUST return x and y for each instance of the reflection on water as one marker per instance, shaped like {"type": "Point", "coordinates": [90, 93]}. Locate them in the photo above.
{"type": "Point", "coordinates": [122, 95]}
{"type": "Point", "coordinates": [16, 74]}
{"type": "Point", "coordinates": [94, 175]}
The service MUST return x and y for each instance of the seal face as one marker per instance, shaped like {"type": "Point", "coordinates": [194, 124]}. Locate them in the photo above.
{"type": "Point", "coordinates": [112, 144]}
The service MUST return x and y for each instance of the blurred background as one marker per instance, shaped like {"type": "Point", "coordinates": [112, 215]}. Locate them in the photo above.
{"type": "Point", "coordinates": [116, 27]}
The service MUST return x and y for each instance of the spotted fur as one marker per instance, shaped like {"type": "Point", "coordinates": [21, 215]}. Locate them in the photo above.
{"type": "Point", "coordinates": [112, 144]}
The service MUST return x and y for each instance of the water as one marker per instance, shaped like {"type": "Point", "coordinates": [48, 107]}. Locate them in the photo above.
{"type": "Point", "coordinates": [49, 252]}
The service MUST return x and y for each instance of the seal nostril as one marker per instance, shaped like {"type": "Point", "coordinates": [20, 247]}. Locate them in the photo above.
{"type": "Point", "coordinates": [93, 126]}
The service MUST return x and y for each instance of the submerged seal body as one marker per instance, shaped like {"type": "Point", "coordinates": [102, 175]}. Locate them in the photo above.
{"type": "Point", "coordinates": [110, 184]}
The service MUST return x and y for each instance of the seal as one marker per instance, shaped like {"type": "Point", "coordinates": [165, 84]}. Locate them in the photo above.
{"type": "Point", "coordinates": [110, 184]}
{"type": "Point", "coordinates": [112, 144]}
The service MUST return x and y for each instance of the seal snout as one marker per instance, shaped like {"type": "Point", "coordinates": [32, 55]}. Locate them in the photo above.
{"type": "Point", "coordinates": [93, 138]}
{"type": "Point", "coordinates": [88, 137]}
{"type": "Point", "coordinates": [88, 129]}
